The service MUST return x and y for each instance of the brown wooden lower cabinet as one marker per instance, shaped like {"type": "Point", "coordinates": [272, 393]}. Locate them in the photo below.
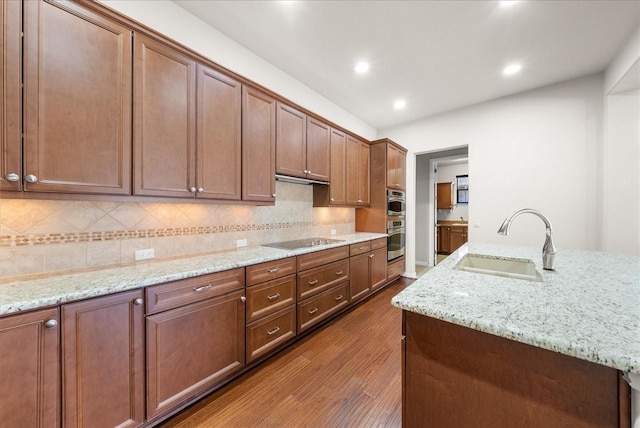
{"type": "Point", "coordinates": [192, 348]}
{"type": "Point", "coordinates": [30, 370]}
{"type": "Point", "coordinates": [317, 308]}
{"type": "Point", "coordinates": [395, 269]}
{"type": "Point", "coordinates": [455, 376]}
{"type": "Point", "coordinates": [103, 361]}
{"type": "Point", "coordinates": [367, 272]}
{"type": "Point", "coordinates": [270, 332]}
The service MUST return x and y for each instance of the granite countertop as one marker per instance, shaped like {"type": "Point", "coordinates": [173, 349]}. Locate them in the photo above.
{"type": "Point", "coordinates": [54, 289]}
{"type": "Point", "coordinates": [588, 308]}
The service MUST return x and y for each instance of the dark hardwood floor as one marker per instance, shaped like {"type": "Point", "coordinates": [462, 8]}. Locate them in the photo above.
{"type": "Point", "coordinates": [346, 374]}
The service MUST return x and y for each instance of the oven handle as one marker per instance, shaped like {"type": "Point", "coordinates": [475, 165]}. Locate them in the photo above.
{"type": "Point", "coordinates": [395, 231]}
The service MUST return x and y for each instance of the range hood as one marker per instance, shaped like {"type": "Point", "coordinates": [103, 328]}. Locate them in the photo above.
{"type": "Point", "coordinates": [298, 180]}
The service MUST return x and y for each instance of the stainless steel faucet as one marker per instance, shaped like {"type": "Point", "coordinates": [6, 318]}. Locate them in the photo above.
{"type": "Point", "coordinates": [548, 250]}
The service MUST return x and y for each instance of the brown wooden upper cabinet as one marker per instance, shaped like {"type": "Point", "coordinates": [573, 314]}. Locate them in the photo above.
{"type": "Point", "coordinates": [357, 175]}
{"type": "Point", "coordinates": [302, 145]}
{"type": "Point", "coordinates": [258, 145]}
{"type": "Point", "coordinates": [77, 100]}
{"type": "Point", "coordinates": [444, 195]}
{"type": "Point", "coordinates": [164, 118]}
{"type": "Point", "coordinates": [396, 167]}
{"type": "Point", "coordinates": [11, 105]}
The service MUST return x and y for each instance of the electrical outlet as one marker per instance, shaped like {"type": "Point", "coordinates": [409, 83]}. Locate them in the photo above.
{"type": "Point", "coordinates": [241, 243]}
{"type": "Point", "coordinates": [149, 253]}
{"type": "Point", "coordinates": [333, 231]}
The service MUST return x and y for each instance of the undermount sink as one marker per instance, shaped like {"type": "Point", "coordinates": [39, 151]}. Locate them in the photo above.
{"type": "Point", "coordinates": [499, 266]}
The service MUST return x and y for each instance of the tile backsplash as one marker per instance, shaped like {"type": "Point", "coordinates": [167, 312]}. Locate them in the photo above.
{"type": "Point", "coordinates": [38, 236]}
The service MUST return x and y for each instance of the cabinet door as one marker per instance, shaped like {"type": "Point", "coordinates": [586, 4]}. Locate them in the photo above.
{"type": "Point", "coordinates": [402, 170]}
{"type": "Point", "coordinates": [291, 142]}
{"type": "Point", "coordinates": [359, 285]}
{"type": "Point", "coordinates": [11, 106]}
{"type": "Point", "coordinates": [318, 150]}
{"type": "Point", "coordinates": [258, 146]}
{"type": "Point", "coordinates": [363, 174]}
{"type": "Point", "coordinates": [164, 118]}
{"type": "Point", "coordinates": [352, 165]}
{"type": "Point", "coordinates": [378, 267]}
{"type": "Point", "coordinates": [337, 188]}
{"type": "Point", "coordinates": [218, 136]}
{"type": "Point", "coordinates": [192, 348]}
{"type": "Point", "coordinates": [77, 82]}
{"type": "Point", "coordinates": [29, 369]}
{"type": "Point", "coordinates": [103, 361]}
{"type": "Point", "coordinates": [457, 237]}
{"type": "Point", "coordinates": [443, 195]}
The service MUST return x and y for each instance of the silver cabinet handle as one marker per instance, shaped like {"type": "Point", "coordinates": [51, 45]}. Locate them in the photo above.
{"type": "Point", "coordinates": [138, 302]}
{"type": "Point", "coordinates": [193, 190]}
{"type": "Point", "coordinates": [50, 323]}
{"type": "Point", "coordinates": [273, 270]}
{"type": "Point", "coordinates": [274, 331]}
{"type": "Point", "coordinates": [31, 178]}
{"type": "Point", "coordinates": [200, 189]}
{"type": "Point", "coordinates": [12, 176]}
{"type": "Point", "coordinates": [274, 297]}
{"type": "Point", "coordinates": [339, 273]}
{"type": "Point", "coordinates": [243, 299]}
{"type": "Point", "coordinates": [202, 288]}
{"type": "Point", "coordinates": [313, 310]}
{"type": "Point", "coordinates": [273, 194]}
{"type": "Point", "coordinates": [313, 282]}
{"type": "Point", "coordinates": [338, 297]}
{"type": "Point", "coordinates": [371, 256]}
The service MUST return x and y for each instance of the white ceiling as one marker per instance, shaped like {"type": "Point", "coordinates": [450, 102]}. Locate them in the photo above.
{"type": "Point", "coordinates": [438, 55]}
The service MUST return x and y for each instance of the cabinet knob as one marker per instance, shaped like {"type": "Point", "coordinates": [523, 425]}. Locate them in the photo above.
{"type": "Point", "coordinates": [31, 178]}
{"type": "Point", "coordinates": [243, 299]}
{"type": "Point", "coordinates": [193, 190]}
{"type": "Point", "coordinates": [138, 301]}
{"type": "Point", "coordinates": [273, 194]}
{"type": "Point", "coordinates": [371, 256]}
{"type": "Point", "coordinates": [12, 176]}
{"type": "Point", "coordinates": [51, 323]}
{"type": "Point", "coordinates": [200, 190]}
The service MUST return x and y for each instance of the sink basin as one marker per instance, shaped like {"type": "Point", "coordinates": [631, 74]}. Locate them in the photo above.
{"type": "Point", "coordinates": [499, 266]}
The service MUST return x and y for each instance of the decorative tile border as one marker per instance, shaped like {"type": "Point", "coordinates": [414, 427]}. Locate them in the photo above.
{"type": "Point", "coordinates": [61, 238]}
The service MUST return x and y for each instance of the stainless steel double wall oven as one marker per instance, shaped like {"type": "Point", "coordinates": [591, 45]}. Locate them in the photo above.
{"type": "Point", "coordinates": [396, 205]}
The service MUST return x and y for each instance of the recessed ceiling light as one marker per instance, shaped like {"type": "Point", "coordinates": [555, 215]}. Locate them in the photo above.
{"type": "Point", "coordinates": [507, 3]}
{"type": "Point", "coordinates": [512, 69]}
{"type": "Point", "coordinates": [361, 67]}
{"type": "Point", "coordinates": [399, 104]}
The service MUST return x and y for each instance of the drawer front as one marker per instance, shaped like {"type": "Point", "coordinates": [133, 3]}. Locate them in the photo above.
{"type": "Point", "coordinates": [322, 306]}
{"type": "Point", "coordinates": [270, 270]}
{"type": "Point", "coordinates": [395, 269]}
{"type": "Point", "coordinates": [313, 281]}
{"type": "Point", "coordinates": [319, 258]}
{"type": "Point", "coordinates": [270, 297]}
{"type": "Point", "coordinates": [178, 293]}
{"type": "Point", "coordinates": [359, 248]}
{"type": "Point", "coordinates": [378, 243]}
{"type": "Point", "coordinates": [270, 332]}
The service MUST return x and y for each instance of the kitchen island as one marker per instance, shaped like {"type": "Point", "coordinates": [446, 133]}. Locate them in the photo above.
{"type": "Point", "coordinates": [485, 350]}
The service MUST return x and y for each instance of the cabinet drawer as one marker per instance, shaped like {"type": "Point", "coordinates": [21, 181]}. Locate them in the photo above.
{"type": "Point", "coordinates": [395, 269]}
{"type": "Point", "coordinates": [270, 332]}
{"type": "Point", "coordinates": [359, 248]}
{"type": "Point", "coordinates": [315, 280]}
{"type": "Point", "coordinates": [178, 293]}
{"type": "Point", "coordinates": [319, 258]}
{"type": "Point", "coordinates": [267, 298]}
{"type": "Point", "coordinates": [270, 270]}
{"type": "Point", "coordinates": [378, 243]}
{"type": "Point", "coordinates": [320, 307]}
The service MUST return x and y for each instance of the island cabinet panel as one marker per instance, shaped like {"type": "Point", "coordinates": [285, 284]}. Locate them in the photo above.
{"type": "Point", "coordinates": [30, 369]}
{"type": "Point", "coordinates": [458, 377]}
{"type": "Point", "coordinates": [258, 145]}
{"type": "Point", "coordinates": [219, 137]}
{"type": "Point", "coordinates": [77, 100]}
{"type": "Point", "coordinates": [193, 348]}
{"type": "Point", "coordinates": [164, 118]}
{"type": "Point", "coordinates": [11, 106]}
{"type": "Point", "coordinates": [103, 361]}
{"type": "Point", "coordinates": [318, 150]}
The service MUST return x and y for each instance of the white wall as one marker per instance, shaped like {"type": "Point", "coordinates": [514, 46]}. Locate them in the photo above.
{"type": "Point", "coordinates": [537, 149]}
{"type": "Point", "coordinates": [623, 62]}
{"type": "Point", "coordinates": [169, 19]}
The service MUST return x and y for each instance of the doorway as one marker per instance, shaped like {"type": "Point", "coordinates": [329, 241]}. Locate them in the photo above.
{"type": "Point", "coordinates": [426, 212]}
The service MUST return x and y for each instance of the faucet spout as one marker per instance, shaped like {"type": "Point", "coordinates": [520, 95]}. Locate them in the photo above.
{"type": "Point", "coordinates": [548, 249]}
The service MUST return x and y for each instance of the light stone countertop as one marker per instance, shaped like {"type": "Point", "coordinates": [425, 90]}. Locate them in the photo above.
{"type": "Point", "coordinates": [588, 308]}
{"type": "Point", "coordinates": [54, 289]}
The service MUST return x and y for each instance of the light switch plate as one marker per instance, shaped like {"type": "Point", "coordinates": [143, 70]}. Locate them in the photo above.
{"type": "Point", "coordinates": [241, 243]}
